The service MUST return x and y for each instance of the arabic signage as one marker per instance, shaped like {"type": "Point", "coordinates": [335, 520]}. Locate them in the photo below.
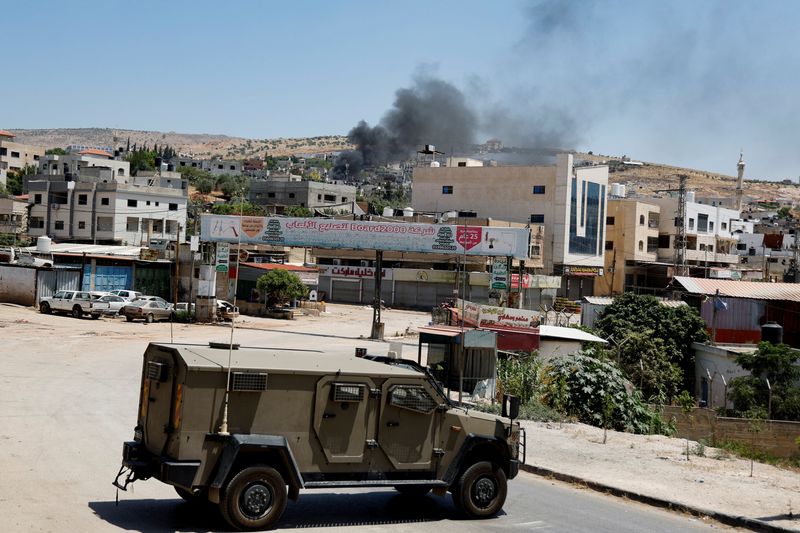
{"type": "Point", "coordinates": [576, 270]}
{"type": "Point", "coordinates": [500, 273]}
{"type": "Point", "coordinates": [365, 235]}
{"type": "Point", "coordinates": [486, 316]}
{"type": "Point", "coordinates": [535, 281]}
{"type": "Point", "coordinates": [336, 271]}
{"type": "Point", "coordinates": [223, 257]}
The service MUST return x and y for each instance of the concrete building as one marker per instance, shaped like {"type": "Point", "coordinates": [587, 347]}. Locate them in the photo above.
{"type": "Point", "coordinates": [96, 207]}
{"type": "Point", "coordinates": [15, 156]}
{"type": "Point", "coordinates": [569, 200]}
{"type": "Point", "coordinates": [772, 253]}
{"type": "Point", "coordinates": [73, 164]}
{"type": "Point", "coordinates": [631, 239]}
{"type": "Point", "coordinates": [280, 193]}
{"type": "Point", "coordinates": [13, 215]}
{"type": "Point", "coordinates": [216, 167]}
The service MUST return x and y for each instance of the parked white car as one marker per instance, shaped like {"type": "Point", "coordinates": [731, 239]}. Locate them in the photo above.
{"type": "Point", "coordinates": [126, 295]}
{"type": "Point", "coordinates": [77, 303]}
{"type": "Point", "coordinates": [115, 303]}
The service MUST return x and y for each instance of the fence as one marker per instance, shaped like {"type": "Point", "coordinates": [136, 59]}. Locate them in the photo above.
{"type": "Point", "coordinates": [776, 437]}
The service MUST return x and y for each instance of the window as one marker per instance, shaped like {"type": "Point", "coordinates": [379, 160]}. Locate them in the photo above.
{"type": "Point", "coordinates": [37, 198]}
{"type": "Point", "coordinates": [37, 223]}
{"type": "Point", "coordinates": [609, 221]}
{"type": "Point", "coordinates": [148, 202]}
{"type": "Point", "coordinates": [59, 225]}
{"type": "Point", "coordinates": [103, 201]}
{"type": "Point", "coordinates": [447, 189]}
{"type": "Point", "coordinates": [344, 199]}
{"type": "Point", "coordinates": [158, 226]}
{"type": "Point", "coordinates": [156, 204]}
{"type": "Point", "coordinates": [121, 172]}
{"type": "Point", "coordinates": [291, 195]}
{"type": "Point", "coordinates": [233, 167]}
{"type": "Point", "coordinates": [537, 219]}
{"type": "Point", "coordinates": [14, 154]}
{"type": "Point", "coordinates": [183, 163]}
{"type": "Point", "coordinates": [270, 195]}
{"type": "Point", "coordinates": [132, 224]}
{"type": "Point", "coordinates": [3, 151]}
{"type": "Point", "coordinates": [105, 224]}
{"type": "Point", "coordinates": [652, 245]}
{"type": "Point", "coordinates": [641, 220]}
{"type": "Point", "coordinates": [641, 246]}
{"type": "Point", "coordinates": [133, 203]}
{"type": "Point", "coordinates": [691, 223]}
{"type": "Point", "coordinates": [609, 245]}
{"type": "Point", "coordinates": [173, 207]}
{"type": "Point", "coordinates": [319, 197]}
{"type": "Point", "coordinates": [724, 226]}
{"type": "Point", "coordinates": [172, 227]}
{"type": "Point", "coordinates": [411, 397]}
{"type": "Point", "coordinates": [220, 167]}
{"type": "Point", "coordinates": [702, 222]}
{"type": "Point", "coordinates": [82, 199]}
{"type": "Point", "coordinates": [194, 165]}
{"type": "Point", "coordinates": [81, 224]}
{"type": "Point", "coordinates": [330, 198]}
{"type": "Point", "coordinates": [538, 189]}
{"type": "Point", "coordinates": [711, 225]}
{"type": "Point", "coordinates": [663, 241]}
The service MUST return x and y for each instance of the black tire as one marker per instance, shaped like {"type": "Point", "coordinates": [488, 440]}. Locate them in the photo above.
{"type": "Point", "coordinates": [412, 491]}
{"type": "Point", "coordinates": [128, 318]}
{"type": "Point", "coordinates": [95, 316]}
{"type": "Point", "coordinates": [149, 318]}
{"type": "Point", "coordinates": [77, 312]}
{"type": "Point", "coordinates": [44, 307]}
{"type": "Point", "coordinates": [254, 499]}
{"type": "Point", "coordinates": [481, 491]}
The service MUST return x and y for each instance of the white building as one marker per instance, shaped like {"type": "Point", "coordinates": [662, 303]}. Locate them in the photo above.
{"type": "Point", "coordinates": [72, 164]}
{"type": "Point", "coordinates": [216, 167]}
{"type": "Point", "coordinates": [97, 208]}
{"type": "Point", "coordinates": [569, 200]}
{"type": "Point", "coordinates": [15, 156]}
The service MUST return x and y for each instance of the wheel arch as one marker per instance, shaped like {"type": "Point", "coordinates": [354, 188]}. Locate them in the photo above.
{"type": "Point", "coordinates": [241, 451]}
{"type": "Point", "coordinates": [478, 448]}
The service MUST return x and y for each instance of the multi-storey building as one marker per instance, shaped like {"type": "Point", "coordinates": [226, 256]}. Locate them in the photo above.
{"type": "Point", "coordinates": [72, 164]}
{"type": "Point", "coordinates": [277, 193]}
{"type": "Point", "coordinates": [15, 156]}
{"type": "Point", "coordinates": [216, 167]}
{"type": "Point", "coordinates": [13, 215]}
{"type": "Point", "coordinates": [631, 244]}
{"type": "Point", "coordinates": [97, 206]}
{"type": "Point", "coordinates": [568, 199]}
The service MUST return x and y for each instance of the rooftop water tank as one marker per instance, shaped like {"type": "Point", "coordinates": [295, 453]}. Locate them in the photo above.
{"type": "Point", "coordinates": [43, 244]}
{"type": "Point", "coordinates": [408, 211]}
{"type": "Point", "coordinates": [689, 196]}
{"type": "Point", "coordinates": [388, 211]}
{"type": "Point", "coordinates": [435, 164]}
{"type": "Point", "coordinates": [772, 332]}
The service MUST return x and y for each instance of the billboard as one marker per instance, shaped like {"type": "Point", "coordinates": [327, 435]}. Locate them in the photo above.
{"type": "Point", "coordinates": [366, 235]}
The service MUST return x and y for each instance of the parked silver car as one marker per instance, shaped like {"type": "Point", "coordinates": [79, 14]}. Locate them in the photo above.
{"type": "Point", "coordinates": [115, 304]}
{"type": "Point", "coordinates": [147, 310]}
{"type": "Point", "coordinates": [127, 295]}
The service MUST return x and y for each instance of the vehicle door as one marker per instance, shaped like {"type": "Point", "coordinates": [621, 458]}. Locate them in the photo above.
{"type": "Point", "coordinates": [343, 418]}
{"type": "Point", "coordinates": [408, 423]}
{"type": "Point", "coordinates": [55, 299]}
{"type": "Point", "coordinates": [65, 302]}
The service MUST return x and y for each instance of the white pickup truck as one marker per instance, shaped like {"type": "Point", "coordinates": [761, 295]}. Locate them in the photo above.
{"type": "Point", "coordinates": [77, 303]}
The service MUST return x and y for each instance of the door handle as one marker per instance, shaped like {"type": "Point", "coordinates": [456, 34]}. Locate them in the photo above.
{"type": "Point", "coordinates": [328, 415]}
{"type": "Point", "coordinates": [392, 424]}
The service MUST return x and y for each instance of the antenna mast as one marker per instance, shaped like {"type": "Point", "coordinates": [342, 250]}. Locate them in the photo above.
{"type": "Point", "coordinates": [680, 233]}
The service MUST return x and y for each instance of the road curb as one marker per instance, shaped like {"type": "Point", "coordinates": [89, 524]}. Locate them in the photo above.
{"type": "Point", "coordinates": [727, 519]}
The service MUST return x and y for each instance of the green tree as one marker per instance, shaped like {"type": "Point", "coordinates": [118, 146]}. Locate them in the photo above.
{"type": "Point", "coordinates": [194, 174]}
{"type": "Point", "coordinates": [143, 159]}
{"type": "Point", "coordinates": [649, 363]}
{"type": "Point", "coordinates": [778, 364]}
{"type": "Point", "coordinates": [231, 208]}
{"type": "Point", "coordinates": [297, 211]}
{"type": "Point", "coordinates": [15, 179]}
{"type": "Point", "coordinates": [785, 212]}
{"type": "Point", "coordinates": [205, 185]}
{"type": "Point", "coordinates": [675, 329]}
{"type": "Point", "coordinates": [280, 286]}
{"type": "Point", "coordinates": [55, 151]}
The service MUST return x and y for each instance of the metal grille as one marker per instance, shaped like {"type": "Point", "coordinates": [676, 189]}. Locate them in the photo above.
{"type": "Point", "coordinates": [412, 397]}
{"type": "Point", "coordinates": [348, 392]}
{"type": "Point", "coordinates": [249, 381]}
{"type": "Point", "coordinates": [156, 371]}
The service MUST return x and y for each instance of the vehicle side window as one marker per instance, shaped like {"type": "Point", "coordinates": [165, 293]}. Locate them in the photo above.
{"type": "Point", "coordinates": [411, 397]}
{"type": "Point", "coordinates": [67, 295]}
{"type": "Point", "coordinates": [59, 294]}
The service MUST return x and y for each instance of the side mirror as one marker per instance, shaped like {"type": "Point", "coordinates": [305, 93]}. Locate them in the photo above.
{"type": "Point", "coordinates": [510, 406]}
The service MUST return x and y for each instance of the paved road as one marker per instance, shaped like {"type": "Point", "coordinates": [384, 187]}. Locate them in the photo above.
{"type": "Point", "coordinates": [68, 399]}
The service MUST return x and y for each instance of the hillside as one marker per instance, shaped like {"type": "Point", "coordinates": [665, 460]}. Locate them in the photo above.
{"type": "Point", "coordinates": [196, 144]}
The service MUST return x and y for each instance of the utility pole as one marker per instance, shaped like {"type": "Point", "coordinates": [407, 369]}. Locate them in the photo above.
{"type": "Point", "coordinates": [680, 230]}
{"type": "Point", "coordinates": [796, 254]}
{"type": "Point", "coordinates": [177, 266]}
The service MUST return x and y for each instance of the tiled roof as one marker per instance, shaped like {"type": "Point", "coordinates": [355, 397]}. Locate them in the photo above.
{"type": "Point", "coordinates": [4, 133]}
{"type": "Point", "coordinates": [92, 151]}
{"type": "Point", "coordinates": [741, 289]}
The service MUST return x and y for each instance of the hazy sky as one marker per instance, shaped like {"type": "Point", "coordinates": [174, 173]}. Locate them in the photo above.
{"type": "Point", "coordinates": [688, 83]}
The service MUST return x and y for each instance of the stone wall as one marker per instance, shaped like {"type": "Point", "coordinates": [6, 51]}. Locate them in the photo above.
{"type": "Point", "coordinates": [775, 437]}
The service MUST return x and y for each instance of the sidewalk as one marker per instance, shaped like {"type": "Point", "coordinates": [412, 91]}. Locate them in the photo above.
{"type": "Point", "coordinates": [653, 469]}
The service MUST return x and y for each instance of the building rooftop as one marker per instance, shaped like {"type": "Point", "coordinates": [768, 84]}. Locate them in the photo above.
{"type": "Point", "coordinates": [608, 300]}
{"type": "Point", "coordinates": [93, 151]}
{"type": "Point", "coordinates": [741, 289]}
{"type": "Point", "coordinates": [573, 334]}
{"type": "Point", "coordinates": [92, 249]}
{"type": "Point", "coordinates": [4, 133]}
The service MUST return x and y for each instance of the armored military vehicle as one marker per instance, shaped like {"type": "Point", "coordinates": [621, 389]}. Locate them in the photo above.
{"type": "Point", "coordinates": [302, 419]}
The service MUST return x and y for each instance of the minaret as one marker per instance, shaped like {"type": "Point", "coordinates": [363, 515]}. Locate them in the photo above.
{"type": "Point", "coordinates": [739, 182]}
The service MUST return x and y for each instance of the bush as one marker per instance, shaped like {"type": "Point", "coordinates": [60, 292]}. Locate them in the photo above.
{"type": "Point", "coordinates": [280, 286]}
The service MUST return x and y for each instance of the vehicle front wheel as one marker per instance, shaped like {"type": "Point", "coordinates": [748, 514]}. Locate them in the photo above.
{"type": "Point", "coordinates": [149, 319]}
{"type": "Point", "coordinates": [481, 491]}
{"type": "Point", "coordinates": [77, 312]}
{"type": "Point", "coordinates": [254, 499]}
{"type": "Point", "coordinates": [44, 307]}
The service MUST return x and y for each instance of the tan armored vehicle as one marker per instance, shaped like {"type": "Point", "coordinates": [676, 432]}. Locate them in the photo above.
{"type": "Point", "coordinates": [301, 420]}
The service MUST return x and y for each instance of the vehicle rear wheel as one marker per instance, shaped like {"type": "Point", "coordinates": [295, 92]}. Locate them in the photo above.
{"type": "Point", "coordinates": [77, 312]}
{"type": "Point", "coordinates": [254, 499]}
{"type": "Point", "coordinates": [129, 318]}
{"type": "Point", "coordinates": [149, 319]}
{"type": "Point", "coordinates": [481, 491]}
{"type": "Point", "coordinates": [413, 491]}
{"type": "Point", "coordinates": [44, 307]}
{"type": "Point", "coordinates": [95, 316]}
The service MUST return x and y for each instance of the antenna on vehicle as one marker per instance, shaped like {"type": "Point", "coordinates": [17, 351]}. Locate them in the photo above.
{"type": "Point", "coordinates": [223, 428]}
